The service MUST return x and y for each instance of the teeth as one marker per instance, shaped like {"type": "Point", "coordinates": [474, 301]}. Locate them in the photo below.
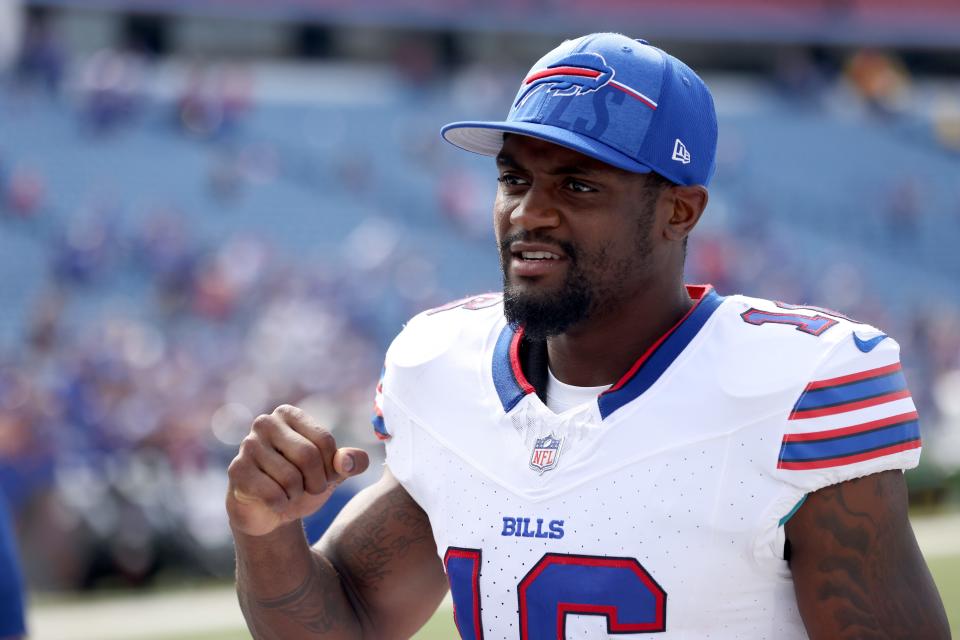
{"type": "Point", "coordinates": [539, 255]}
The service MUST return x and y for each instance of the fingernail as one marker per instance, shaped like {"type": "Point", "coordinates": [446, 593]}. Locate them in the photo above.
{"type": "Point", "coordinates": [347, 463]}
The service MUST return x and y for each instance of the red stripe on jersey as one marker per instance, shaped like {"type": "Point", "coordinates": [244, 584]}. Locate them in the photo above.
{"type": "Point", "coordinates": [859, 457]}
{"type": "Point", "coordinates": [564, 608]}
{"type": "Point", "coordinates": [515, 362]}
{"type": "Point", "coordinates": [846, 431]}
{"type": "Point", "coordinates": [854, 377]}
{"type": "Point", "coordinates": [697, 292]}
{"type": "Point", "coordinates": [849, 406]}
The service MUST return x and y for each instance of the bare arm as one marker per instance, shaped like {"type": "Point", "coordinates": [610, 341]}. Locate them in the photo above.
{"type": "Point", "coordinates": [375, 574]}
{"type": "Point", "coordinates": [287, 591]}
{"type": "Point", "coordinates": [857, 569]}
{"type": "Point", "coordinates": [385, 552]}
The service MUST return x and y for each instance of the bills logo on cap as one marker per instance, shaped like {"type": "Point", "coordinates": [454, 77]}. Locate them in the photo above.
{"type": "Point", "coordinates": [546, 453]}
{"type": "Point", "coordinates": [575, 75]}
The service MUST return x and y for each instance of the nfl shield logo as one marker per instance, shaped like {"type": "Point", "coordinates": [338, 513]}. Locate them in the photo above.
{"type": "Point", "coordinates": [546, 453]}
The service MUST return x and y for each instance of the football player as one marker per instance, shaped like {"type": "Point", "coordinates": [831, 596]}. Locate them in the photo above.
{"type": "Point", "coordinates": [603, 450]}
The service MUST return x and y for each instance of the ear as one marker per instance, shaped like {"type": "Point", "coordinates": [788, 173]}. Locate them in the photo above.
{"type": "Point", "coordinates": [687, 205]}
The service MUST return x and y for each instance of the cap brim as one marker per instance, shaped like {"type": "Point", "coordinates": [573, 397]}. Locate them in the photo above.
{"type": "Point", "coordinates": [486, 138]}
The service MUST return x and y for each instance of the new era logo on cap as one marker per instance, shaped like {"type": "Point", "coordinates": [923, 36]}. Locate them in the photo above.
{"type": "Point", "coordinates": [680, 153]}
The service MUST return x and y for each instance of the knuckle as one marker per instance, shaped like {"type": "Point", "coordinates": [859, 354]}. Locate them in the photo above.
{"type": "Point", "coordinates": [318, 485]}
{"type": "Point", "coordinates": [325, 439]}
{"type": "Point", "coordinates": [241, 463]}
{"type": "Point", "coordinates": [291, 481]}
{"type": "Point", "coordinates": [235, 467]}
{"type": "Point", "coordinates": [248, 446]}
{"type": "Point", "coordinates": [306, 456]}
{"type": "Point", "coordinates": [262, 423]}
{"type": "Point", "coordinates": [288, 411]}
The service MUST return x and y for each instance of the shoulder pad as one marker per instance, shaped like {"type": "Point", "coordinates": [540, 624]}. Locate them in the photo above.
{"type": "Point", "coordinates": [432, 333]}
{"type": "Point", "coordinates": [775, 346]}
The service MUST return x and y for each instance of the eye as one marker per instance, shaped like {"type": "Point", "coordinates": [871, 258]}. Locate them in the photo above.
{"type": "Point", "coordinates": [511, 180]}
{"type": "Point", "coordinates": [579, 187]}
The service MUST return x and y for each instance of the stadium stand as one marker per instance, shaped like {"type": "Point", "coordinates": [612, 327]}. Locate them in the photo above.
{"type": "Point", "coordinates": [161, 223]}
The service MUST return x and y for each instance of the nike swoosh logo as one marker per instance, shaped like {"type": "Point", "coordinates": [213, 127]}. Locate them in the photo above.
{"type": "Point", "coordinates": [867, 345]}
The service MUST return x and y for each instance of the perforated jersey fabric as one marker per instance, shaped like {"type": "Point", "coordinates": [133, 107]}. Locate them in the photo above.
{"type": "Point", "coordinates": [660, 505]}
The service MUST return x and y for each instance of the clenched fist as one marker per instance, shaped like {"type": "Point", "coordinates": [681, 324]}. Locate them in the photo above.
{"type": "Point", "coordinates": [286, 469]}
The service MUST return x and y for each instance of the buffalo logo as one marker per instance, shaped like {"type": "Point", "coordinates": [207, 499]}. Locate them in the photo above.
{"type": "Point", "coordinates": [573, 75]}
{"type": "Point", "coordinates": [576, 75]}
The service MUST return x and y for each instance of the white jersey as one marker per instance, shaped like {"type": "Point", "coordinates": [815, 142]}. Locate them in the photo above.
{"type": "Point", "coordinates": [658, 507]}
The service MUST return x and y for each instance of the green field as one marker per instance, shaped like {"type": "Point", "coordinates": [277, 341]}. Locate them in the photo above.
{"type": "Point", "coordinates": [440, 626]}
{"type": "Point", "coordinates": [946, 571]}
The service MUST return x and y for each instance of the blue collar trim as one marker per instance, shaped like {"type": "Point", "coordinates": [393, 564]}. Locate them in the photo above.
{"type": "Point", "coordinates": [651, 365]}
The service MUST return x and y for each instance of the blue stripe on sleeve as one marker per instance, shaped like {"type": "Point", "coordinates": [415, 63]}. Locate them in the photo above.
{"type": "Point", "coordinates": [852, 444]}
{"type": "Point", "coordinates": [851, 392]}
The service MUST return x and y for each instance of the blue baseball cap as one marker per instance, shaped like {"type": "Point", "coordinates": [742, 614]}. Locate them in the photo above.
{"type": "Point", "coordinates": [619, 100]}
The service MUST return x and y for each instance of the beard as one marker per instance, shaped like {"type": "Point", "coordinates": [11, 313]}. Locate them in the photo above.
{"type": "Point", "coordinates": [550, 313]}
{"type": "Point", "coordinates": [595, 283]}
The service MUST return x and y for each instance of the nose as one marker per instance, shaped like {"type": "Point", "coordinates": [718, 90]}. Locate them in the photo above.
{"type": "Point", "coordinates": [536, 210]}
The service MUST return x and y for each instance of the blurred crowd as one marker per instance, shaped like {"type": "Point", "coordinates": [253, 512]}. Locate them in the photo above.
{"type": "Point", "coordinates": [148, 348]}
{"type": "Point", "coordinates": [116, 430]}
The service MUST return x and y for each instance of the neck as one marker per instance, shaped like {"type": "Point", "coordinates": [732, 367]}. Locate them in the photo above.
{"type": "Point", "coordinates": [601, 349]}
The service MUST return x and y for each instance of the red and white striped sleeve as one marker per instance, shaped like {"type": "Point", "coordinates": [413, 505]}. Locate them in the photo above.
{"type": "Point", "coordinates": [854, 418]}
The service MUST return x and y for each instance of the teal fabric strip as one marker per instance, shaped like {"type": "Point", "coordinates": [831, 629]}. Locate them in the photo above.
{"type": "Point", "coordinates": [785, 518]}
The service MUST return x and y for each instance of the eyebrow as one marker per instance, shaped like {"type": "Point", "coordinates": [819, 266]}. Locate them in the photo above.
{"type": "Point", "coordinates": [506, 160]}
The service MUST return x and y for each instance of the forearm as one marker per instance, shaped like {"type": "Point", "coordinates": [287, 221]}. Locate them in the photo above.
{"type": "Point", "coordinates": [856, 566]}
{"type": "Point", "coordinates": [288, 591]}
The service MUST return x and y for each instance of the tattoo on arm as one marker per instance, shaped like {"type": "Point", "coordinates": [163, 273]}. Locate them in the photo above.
{"type": "Point", "coordinates": [858, 570]}
{"type": "Point", "coordinates": [314, 608]}
{"type": "Point", "coordinates": [317, 606]}
{"type": "Point", "coordinates": [385, 534]}
{"type": "Point", "coordinates": [380, 537]}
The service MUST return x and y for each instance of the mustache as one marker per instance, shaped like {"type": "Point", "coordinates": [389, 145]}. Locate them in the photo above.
{"type": "Point", "coordinates": [541, 238]}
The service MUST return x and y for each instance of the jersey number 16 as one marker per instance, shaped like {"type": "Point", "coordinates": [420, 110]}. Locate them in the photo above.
{"type": "Point", "coordinates": [619, 589]}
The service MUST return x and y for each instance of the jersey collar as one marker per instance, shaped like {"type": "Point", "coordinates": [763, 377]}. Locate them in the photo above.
{"type": "Point", "coordinates": [512, 384]}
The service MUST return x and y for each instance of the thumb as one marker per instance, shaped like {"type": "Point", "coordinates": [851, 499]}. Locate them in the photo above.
{"type": "Point", "coordinates": [348, 461]}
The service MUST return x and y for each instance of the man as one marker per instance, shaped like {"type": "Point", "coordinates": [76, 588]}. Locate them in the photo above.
{"type": "Point", "coordinates": [605, 451]}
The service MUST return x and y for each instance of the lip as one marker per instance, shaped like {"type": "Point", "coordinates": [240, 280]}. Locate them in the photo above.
{"type": "Point", "coordinates": [516, 248]}
{"type": "Point", "coordinates": [536, 268]}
